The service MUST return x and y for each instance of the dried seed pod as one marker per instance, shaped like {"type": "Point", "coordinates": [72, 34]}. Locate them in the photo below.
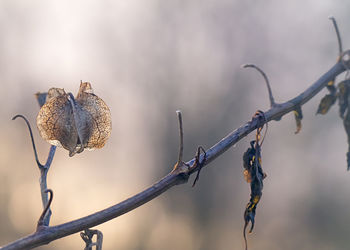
{"type": "Point", "coordinates": [74, 123]}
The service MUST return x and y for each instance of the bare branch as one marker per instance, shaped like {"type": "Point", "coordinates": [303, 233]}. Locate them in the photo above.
{"type": "Point", "coordinates": [174, 178]}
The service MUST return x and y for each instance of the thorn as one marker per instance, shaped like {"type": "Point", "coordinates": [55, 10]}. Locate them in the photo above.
{"type": "Point", "coordinates": [200, 164]}
{"type": "Point", "coordinates": [42, 216]}
{"type": "Point", "coordinates": [340, 47]}
{"type": "Point", "coordinates": [32, 138]}
{"type": "Point", "coordinates": [272, 100]}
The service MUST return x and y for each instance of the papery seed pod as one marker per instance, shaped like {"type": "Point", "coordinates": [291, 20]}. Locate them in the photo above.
{"type": "Point", "coordinates": [74, 123]}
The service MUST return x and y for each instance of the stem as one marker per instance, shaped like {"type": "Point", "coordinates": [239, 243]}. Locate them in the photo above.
{"type": "Point", "coordinates": [272, 100]}
{"type": "Point", "coordinates": [340, 46]}
{"type": "Point", "coordinates": [181, 135]}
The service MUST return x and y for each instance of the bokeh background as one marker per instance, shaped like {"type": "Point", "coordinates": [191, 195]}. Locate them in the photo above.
{"type": "Point", "coordinates": [147, 59]}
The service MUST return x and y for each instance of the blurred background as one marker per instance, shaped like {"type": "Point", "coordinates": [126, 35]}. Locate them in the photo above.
{"type": "Point", "coordinates": [146, 59]}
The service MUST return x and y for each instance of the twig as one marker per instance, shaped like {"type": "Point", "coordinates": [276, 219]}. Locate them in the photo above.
{"type": "Point", "coordinates": [340, 47]}
{"type": "Point", "coordinates": [272, 100]}
{"type": "Point", "coordinates": [181, 135]}
{"type": "Point", "coordinates": [174, 178]}
{"type": "Point", "coordinates": [43, 183]}
{"type": "Point", "coordinates": [43, 168]}
{"type": "Point", "coordinates": [181, 168]}
{"type": "Point", "coordinates": [32, 138]}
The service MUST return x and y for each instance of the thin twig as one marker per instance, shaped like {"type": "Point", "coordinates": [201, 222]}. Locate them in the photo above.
{"type": "Point", "coordinates": [32, 138]}
{"type": "Point", "coordinates": [272, 100]}
{"type": "Point", "coordinates": [43, 168]}
{"type": "Point", "coordinates": [181, 135]}
{"type": "Point", "coordinates": [340, 46]}
{"type": "Point", "coordinates": [174, 178]}
{"type": "Point", "coordinates": [43, 183]}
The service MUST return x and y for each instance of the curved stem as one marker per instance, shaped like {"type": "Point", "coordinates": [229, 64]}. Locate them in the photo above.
{"type": "Point", "coordinates": [31, 137]}
{"type": "Point", "coordinates": [272, 100]}
{"type": "Point", "coordinates": [340, 46]}
{"type": "Point", "coordinates": [43, 168]}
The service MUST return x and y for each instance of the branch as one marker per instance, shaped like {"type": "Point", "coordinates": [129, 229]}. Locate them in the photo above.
{"type": "Point", "coordinates": [51, 233]}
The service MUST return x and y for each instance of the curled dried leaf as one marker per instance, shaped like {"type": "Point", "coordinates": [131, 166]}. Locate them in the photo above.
{"type": "Point", "coordinates": [328, 100]}
{"type": "Point", "coordinates": [254, 175]}
{"type": "Point", "coordinates": [326, 103]}
{"type": "Point", "coordinates": [346, 123]}
{"type": "Point", "coordinates": [298, 114]}
{"type": "Point", "coordinates": [74, 123]}
{"type": "Point", "coordinates": [343, 94]}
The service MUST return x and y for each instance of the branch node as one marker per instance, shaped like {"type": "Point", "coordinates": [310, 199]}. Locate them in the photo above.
{"type": "Point", "coordinates": [40, 224]}
{"type": "Point", "coordinates": [272, 100]}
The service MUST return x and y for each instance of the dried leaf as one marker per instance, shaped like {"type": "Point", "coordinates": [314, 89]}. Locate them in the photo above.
{"type": "Point", "coordinates": [298, 114]}
{"type": "Point", "coordinates": [343, 93]}
{"type": "Point", "coordinates": [74, 123]}
{"type": "Point", "coordinates": [346, 122]}
{"type": "Point", "coordinates": [326, 103]}
{"type": "Point", "coordinates": [347, 130]}
{"type": "Point", "coordinates": [253, 170]}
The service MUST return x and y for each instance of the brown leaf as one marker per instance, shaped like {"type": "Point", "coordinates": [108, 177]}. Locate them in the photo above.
{"type": "Point", "coordinates": [75, 123]}
{"type": "Point", "coordinates": [298, 114]}
{"type": "Point", "coordinates": [326, 103]}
